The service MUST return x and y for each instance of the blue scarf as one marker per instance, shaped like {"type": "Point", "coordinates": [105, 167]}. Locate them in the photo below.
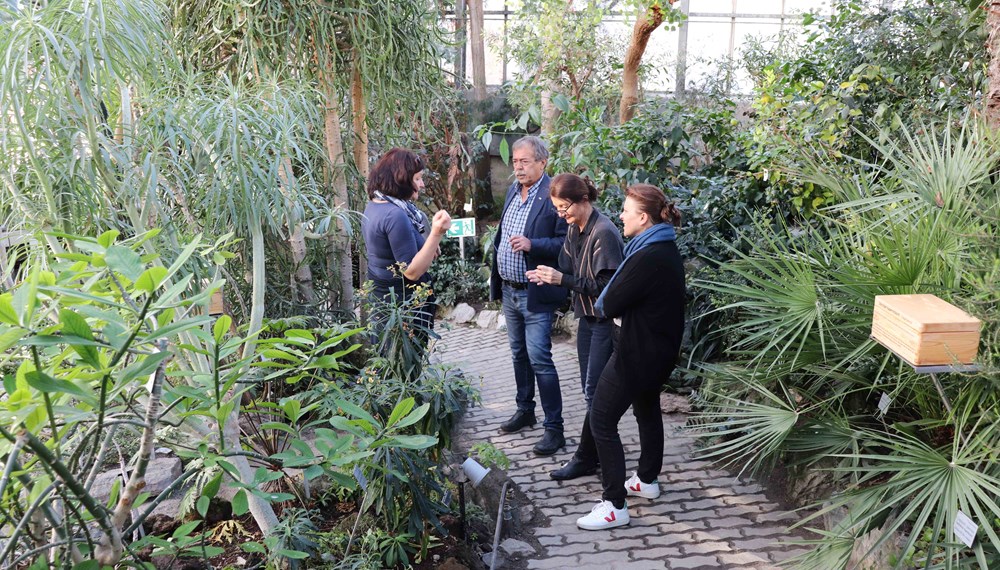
{"type": "Point", "coordinates": [412, 212]}
{"type": "Point", "coordinates": [655, 234]}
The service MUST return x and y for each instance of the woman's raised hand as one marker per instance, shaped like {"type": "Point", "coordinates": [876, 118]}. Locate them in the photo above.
{"type": "Point", "coordinates": [441, 223]}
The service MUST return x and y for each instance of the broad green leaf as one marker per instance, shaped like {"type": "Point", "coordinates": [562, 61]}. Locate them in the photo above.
{"type": "Point", "coordinates": [504, 150]}
{"type": "Point", "coordinates": [414, 416]}
{"type": "Point", "coordinates": [561, 102]}
{"type": "Point", "coordinates": [278, 426]}
{"type": "Point", "coordinates": [7, 313]}
{"type": "Point", "coordinates": [151, 279]}
{"type": "Point", "coordinates": [221, 327]}
{"type": "Point", "coordinates": [414, 441]}
{"type": "Point", "coordinates": [292, 409]}
{"type": "Point", "coordinates": [399, 411]}
{"type": "Point", "coordinates": [250, 546]}
{"type": "Point", "coordinates": [357, 412]}
{"type": "Point", "coordinates": [108, 238]}
{"type": "Point", "coordinates": [10, 336]}
{"type": "Point", "coordinates": [178, 327]}
{"type": "Point", "coordinates": [202, 505]}
{"type": "Point", "coordinates": [44, 383]}
{"type": "Point", "coordinates": [124, 261]}
{"type": "Point", "coordinates": [75, 325]}
{"type": "Point", "coordinates": [185, 529]}
{"type": "Point", "coordinates": [211, 488]}
{"type": "Point", "coordinates": [240, 503]}
{"type": "Point", "coordinates": [75, 294]}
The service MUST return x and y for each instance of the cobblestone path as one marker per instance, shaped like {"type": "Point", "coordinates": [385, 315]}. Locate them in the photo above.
{"type": "Point", "coordinates": [704, 519]}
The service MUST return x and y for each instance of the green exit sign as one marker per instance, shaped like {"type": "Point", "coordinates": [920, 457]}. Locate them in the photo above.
{"type": "Point", "coordinates": [462, 227]}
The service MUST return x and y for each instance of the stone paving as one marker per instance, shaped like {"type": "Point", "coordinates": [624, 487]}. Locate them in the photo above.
{"type": "Point", "coordinates": [704, 519]}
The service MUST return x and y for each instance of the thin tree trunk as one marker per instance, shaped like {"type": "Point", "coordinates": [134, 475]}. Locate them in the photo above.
{"type": "Point", "coordinates": [339, 241]}
{"type": "Point", "coordinates": [992, 102]}
{"type": "Point", "coordinates": [262, 511]}
{"type": "Point", "coordinates": [360, 118]}
{"type": "Point", "coordinates": [302, 277]}
{"type": "Point", "coordinates": [644, 27]}
{"type": "Point", "coordinates": [549, 110]}
{"type": "Point", "coordinates": [478, 50]}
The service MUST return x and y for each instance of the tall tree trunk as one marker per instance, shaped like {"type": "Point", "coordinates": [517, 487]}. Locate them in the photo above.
{"type": "Point", "coordinates": [644, 27]}
{"type": "Point", "coordinates": [549, 110]}
{"type": "Point", "coordinates": [360, 118]}
{"type": "Point", "coordinates": [302, 277]}
{"type": "Point", "coordinates": [992, 102]}
{"type": "Point", "coordinates": [262, 511]}
{"type": "Point", "coordinates": [339, 241]}
{"type": "Point", "coordinates": [478, 50]}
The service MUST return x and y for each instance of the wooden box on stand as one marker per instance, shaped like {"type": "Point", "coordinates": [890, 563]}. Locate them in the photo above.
{"type": "Point", "coordinates": [925, 330]}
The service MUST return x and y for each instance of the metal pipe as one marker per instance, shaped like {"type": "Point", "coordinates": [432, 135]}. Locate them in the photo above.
{"type": "Point", "coordinates": [461, 509]}
{"type": "Point", "coordinates": [496, 535]}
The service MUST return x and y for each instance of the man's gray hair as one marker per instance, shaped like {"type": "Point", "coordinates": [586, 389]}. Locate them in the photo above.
{"type": "Point", "coordinates": [537, 145]}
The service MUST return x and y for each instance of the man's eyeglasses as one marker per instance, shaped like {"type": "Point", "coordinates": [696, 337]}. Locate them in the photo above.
{"type": "Point", "coordinates": [523, 162]}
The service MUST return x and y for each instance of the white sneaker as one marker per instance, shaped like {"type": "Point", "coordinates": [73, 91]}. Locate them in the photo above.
{"type": "Point", "coordinates": [604, 516]}
{"type": "Point", "coordinates": [636, 488]}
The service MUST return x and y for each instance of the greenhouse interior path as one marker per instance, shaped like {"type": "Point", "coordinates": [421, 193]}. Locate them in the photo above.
{"type": "Point", "coordinates": [705, 517]}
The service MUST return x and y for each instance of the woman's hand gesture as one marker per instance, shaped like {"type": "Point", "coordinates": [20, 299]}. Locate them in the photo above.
{"type": "Point", "coordinates": [544, 274]}
{"type": "Point", "coordinates": [441, 223]}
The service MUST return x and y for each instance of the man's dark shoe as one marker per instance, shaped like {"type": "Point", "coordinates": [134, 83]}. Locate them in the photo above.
{"type": "Point", "coordinates": [550, 443]}
{"type": "Point", "coordinates": [573, 469]}
{"type": "Point", "coordinates": [518, 421]}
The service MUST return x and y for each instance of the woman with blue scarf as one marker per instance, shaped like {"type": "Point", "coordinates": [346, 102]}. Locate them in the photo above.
{"type": "Point", "coordinates": [646, 296]}
{"type": "Point", "coordinates": [398, 235]}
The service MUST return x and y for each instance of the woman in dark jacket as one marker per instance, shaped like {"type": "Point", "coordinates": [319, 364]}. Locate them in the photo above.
{"type": "Point", "coordinates": [647, 295]}
{"type": "Point", "coordinates": [589, 257]}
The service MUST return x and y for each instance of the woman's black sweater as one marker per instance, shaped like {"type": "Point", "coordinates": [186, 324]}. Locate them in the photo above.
{"type": "Point", "coordinates": [648, 295]}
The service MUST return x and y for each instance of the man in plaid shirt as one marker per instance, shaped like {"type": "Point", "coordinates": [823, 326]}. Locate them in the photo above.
{"type": "Point", "coordinates": [531, 233]}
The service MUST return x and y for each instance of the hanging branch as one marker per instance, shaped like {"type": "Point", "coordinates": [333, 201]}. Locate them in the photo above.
{"type": "Point", "coordinates": [644, 27]}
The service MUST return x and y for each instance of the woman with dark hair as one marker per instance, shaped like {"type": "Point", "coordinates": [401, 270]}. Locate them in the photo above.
{"type": "Point", "coordinates": [647, 295]}
{"type": "Point", "coordinates": [397, 232]}
{"type": "Point", "coordinates": [589, 257]}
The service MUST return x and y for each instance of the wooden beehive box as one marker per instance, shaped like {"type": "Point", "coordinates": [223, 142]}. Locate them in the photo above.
{"type": "Point", "coordinates": [925, 330]}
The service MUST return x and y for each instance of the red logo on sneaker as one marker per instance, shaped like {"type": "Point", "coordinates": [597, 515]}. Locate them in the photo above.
{"type": "Point", "coordinates": [635, 487]}
{"type": "Point", "coordinates": [610, 518]}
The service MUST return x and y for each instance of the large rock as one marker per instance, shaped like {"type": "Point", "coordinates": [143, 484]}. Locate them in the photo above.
{"type": "Point", "coordinates": [517, 548]}
{"type": "Point", "coordinates": [487, 319]}
{"type": "Point", "coordinates": [501, 322]}
{"type": "Point", "coordinates": [867, 556]}
{"type": "Point", "coordinates": [160, 473]}
{"type": "Point", "coordinates": [462, 313]}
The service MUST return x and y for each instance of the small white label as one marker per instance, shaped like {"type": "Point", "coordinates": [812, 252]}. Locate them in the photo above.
{"type": "Point", "coordinates": [883, 403]}
{"type": "Point", "coordinates": [965, 529]}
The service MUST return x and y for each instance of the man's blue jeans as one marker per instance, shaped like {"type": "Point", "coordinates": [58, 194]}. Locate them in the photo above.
{"type": "Point", "coordinates": [530, 337]}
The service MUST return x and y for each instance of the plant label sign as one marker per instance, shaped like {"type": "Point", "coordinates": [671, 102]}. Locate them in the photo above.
{"type": "Point", "coordinates": [462, 227]}
{"type": "Point", "coordinates": [965, 529]}
{"type": "Point", "coordinates": [883, 403]}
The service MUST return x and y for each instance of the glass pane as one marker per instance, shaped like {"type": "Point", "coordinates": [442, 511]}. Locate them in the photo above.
{"type": "Point", "coordinates": [493, 32]}
{"type": "Point", "coordinates": [802, 6]}
{"type": "Point", "coordinates": [708, 43]}
{"type": "Point", "coordinates": [760, 6]}
{"type": "Point", "coordinates": [660, 61]}
{"type": "Point", "coordinates": [712, 6]}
